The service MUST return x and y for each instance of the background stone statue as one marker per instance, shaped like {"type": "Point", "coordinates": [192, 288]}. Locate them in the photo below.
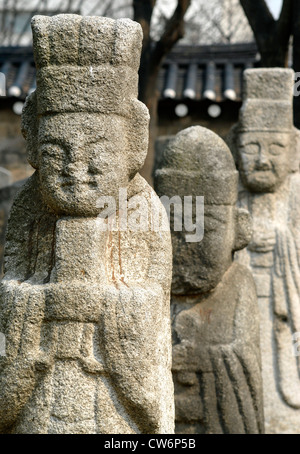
{"type": "Point", "coordinates": [85, 310]}
{"type": "Point", "coordinates": [265, 145]}
{"type": "Point", "coordinates": [216, 356]}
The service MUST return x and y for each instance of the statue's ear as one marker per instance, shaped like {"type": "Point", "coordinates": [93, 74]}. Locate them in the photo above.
{"type": "Point", "coordinates": [138, 135]}
{"type": "Point", "coordinates": [30, 128]}
{"type": "Point", "coordinates": [243, 229]}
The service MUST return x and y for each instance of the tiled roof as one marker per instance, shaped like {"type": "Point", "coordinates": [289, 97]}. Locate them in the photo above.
{"type": "Point", "coordinates": [206, 72]}
{"type": "Point", "coordinates": [17, 64]}
{"type": "Point", "coordinates": [198, 72]}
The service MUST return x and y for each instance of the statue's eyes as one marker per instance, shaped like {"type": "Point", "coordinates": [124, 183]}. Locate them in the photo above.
{"type": "Point", "coordinates": [250, 148]}
{"type": "Point", "coordinates": [276, 149]}
{"type": "Point", "coordinates": [52, 150]}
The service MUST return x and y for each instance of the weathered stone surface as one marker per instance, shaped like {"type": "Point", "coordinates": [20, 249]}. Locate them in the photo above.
{"type": "Point", "coordinates": [266, 148]}
{"type": "Point", "coordinates": [7, 195]}
{"type": "Point", "coordinates": [85, 310]}
{"type": "Point", "coordinates": [216, 357]}
{"type": "Point", "coordinates": [160, 144]}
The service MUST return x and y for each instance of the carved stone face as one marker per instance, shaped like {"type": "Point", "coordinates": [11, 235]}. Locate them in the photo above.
{"type": "Point", "coordinates": [215, 250]}
{"type": "Point", "coordinates": [263, 160]}
{"type": "Point", "coordinates": [81, 157]}
{"type": "Point", "coordinates": [199, 267]}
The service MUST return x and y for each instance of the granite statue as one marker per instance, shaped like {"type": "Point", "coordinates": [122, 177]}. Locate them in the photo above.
{"type": "Point", "coordinates": [266, 148]}
{"type": "Point", "coordinates": [215, 320]}
{"type": "Point", "coordinates": [85, 310]}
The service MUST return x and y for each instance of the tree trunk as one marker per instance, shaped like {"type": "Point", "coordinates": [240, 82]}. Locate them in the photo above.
{"type": "Point", "coordinates": [273, 52]}
{"type": "Point", "coordinates": [272, 36]}
{"type": "Point", "coordinates": [149, 95]}
{"type": "Point", "coordinates": [152, 57]}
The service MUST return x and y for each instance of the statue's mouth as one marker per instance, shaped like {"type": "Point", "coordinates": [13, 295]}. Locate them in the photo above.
{"type": "Point", "coordinates": [264, 173]}
{"type": "Point", "coordinates": [74, 182]}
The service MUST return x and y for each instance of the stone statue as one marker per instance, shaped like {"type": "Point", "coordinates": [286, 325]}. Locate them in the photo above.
{"type": "Point", "coordinates": [216, 356]}
{"type": "Point", "coordinates": [265, 145]}
{"type": "Point", "coordinates": [84, 308]}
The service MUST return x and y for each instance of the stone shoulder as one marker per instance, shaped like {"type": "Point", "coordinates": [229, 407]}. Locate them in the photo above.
{"type": "Point", "coordinates": [295, 189]}
{"type": "Point", "coordinates": [247, 312]}
{"type": "Point", "coordinates": [243, 281]}
{"type": "Point", "coordinates": [243, 276]}
{"type": "Point", "coordinates": [294, 201]}
{"type": "Point", "coordinates": [143, 188]}
{"type": "Point", "coordinates": [28, 198]}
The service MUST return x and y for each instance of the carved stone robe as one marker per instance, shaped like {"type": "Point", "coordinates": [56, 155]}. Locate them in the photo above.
{"type": "Point", "coordinates": [216, 368]}
{"type": "Point", "coordinates": [86, 319]}
{"type": "Point", "coordinates": [275, 265]}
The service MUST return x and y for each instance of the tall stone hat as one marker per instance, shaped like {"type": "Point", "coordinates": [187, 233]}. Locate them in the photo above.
{"type": "Point", "coordinates": [90, 65]}
{"type": "Point", "coordinates": [86, 64]}
{"type": "Point", "coordinates": [267, 100]}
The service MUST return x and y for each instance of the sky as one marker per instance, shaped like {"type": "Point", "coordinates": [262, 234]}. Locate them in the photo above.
{"type": "Point", "coordinates": [275, 7]}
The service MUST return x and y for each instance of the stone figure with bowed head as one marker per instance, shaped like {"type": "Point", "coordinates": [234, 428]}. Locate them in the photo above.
{"type": "Point", "coordinates": [85, 308]}
{"type": "Point", "coordinates": [216, 355]}
{"type": "Point", "coordinates": [265, 145]}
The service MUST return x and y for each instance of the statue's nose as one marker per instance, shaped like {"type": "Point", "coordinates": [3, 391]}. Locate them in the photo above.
{"type": "Point", "coordinates": [72, 165]}
{"type": "Point", "coordinates": [71, 169]}
{"type": "Point", "coordinates": [263, 161]}
{"type": "Point", "coordinates": [75, 153]}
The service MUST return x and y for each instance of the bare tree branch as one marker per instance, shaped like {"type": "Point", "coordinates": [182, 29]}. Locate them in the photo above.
{"type": "Point", "coordinates": [162, 14]}
{"type": "Point", "coordinates": [14, 12]}
{"type": "Point", "coordinates": [216, 23]}
{"type": "Point", "coordinates": [80, 5]}
{"type": "Point", "coordinates": [173, 32]}
{"type": "Point", "coordinates": [258, 15]}
{"type": "Point", "coordinates": [95, 8]}
{"type": "Point", "coordinates": [142, 13]}
{"type": "Point", "coordinates": [238, 25]}
{"type": "Point", "coordinates": [25, 27]}
{"type": "Point", "coordinates": [272, 37]}
{"type": "Point", "coordinates": [261, 19]}
{"type": "Point", "coordinates": [39, 8]}
{"type": "Point", "coordinates": [284, 21]}
{"type": "Point", "coordinates": [4, 20]}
